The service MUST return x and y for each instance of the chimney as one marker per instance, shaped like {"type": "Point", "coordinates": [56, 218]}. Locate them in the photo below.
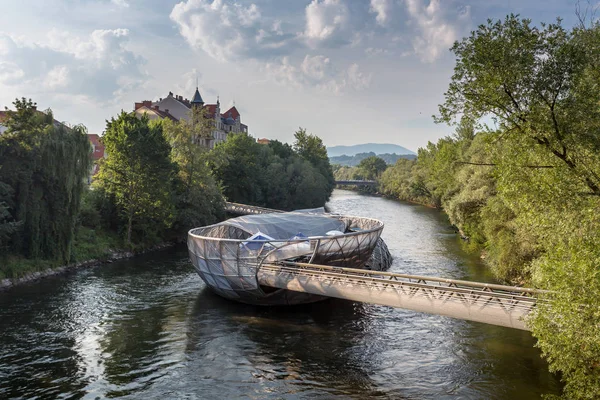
{"type": "Point", "coordinates": [138, 105]}
{"type": "Point", "coordinates": [160, 99]}
{"type": "Point", "coordinates": [166, 110]}
{"type": "Point", "coordinates": [34, 108]}
{"type": "Point", "coordinates": [147, 103]}
{"type": "Point", "coordinates": [156, 108]}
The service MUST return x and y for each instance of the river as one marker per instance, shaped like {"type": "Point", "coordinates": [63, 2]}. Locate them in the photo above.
{"type": "Point", "coordinates": [147, 328]}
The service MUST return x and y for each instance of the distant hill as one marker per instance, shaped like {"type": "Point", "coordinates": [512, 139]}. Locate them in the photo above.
{"type": "Point", "coordinates": [377, 148]}
{"type": "Point", "coordinates": [352, 161]}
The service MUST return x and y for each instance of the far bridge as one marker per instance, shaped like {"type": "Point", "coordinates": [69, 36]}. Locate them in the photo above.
{"type": "Point", "coordinates": [356, 183]}
{"type": "Point", "coordinates": [489, 303]}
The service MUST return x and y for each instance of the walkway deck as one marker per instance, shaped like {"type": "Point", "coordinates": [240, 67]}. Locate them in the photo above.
{"type": "Point", "coordinates": [481, 302]}
{"type": "Point", "coordinates": [356, 183]}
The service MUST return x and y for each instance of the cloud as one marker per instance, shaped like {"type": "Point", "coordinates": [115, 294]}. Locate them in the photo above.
{"type": "Point", "coordinates": [57, 77]}
{"type": "Point", "coordinates": [327, 23]}
{"type": "Point", "coordinates": [436, 29]}
{"type": "Point", "coordinates": [99, 67]}
{"type": "Point", "coordinates": [319, 72]}
{"type": "Point", "coordinates": [382, 8]}
{"type": "Point", "coordinates": [231, 31]}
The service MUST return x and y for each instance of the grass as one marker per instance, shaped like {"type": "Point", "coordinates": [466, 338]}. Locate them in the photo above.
{"type": "Point", "coordinates": [89, 244]}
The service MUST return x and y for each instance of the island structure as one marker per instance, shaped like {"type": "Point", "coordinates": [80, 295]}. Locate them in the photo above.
{"type": "Point", "coordinates": [228, 256]}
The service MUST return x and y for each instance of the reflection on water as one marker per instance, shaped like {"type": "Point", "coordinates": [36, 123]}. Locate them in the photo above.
{"type": "Point", "coordinates": [147, 328]}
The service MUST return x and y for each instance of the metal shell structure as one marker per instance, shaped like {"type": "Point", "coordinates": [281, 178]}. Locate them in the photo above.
{"type": "Point", "coordinates": [228, 259]}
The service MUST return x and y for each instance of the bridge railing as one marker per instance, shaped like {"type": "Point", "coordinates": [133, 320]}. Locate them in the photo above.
{"type": "Point", "coordinates": [488, 303]}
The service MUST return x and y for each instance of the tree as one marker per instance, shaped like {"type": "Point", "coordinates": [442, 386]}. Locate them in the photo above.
{"type": "Point", "coordinates": [311, 148]}
{"type": "Point", "coordinates": [7, 224]}
{"type": "Point", "coordinates": [43, 166]}
{"type": "Point", "coordinates": [199, 201]}
{"type": "Point", "coordinates": [541, 87]}
{"type": "Point", "coordinates": [540, 83]}
{"type": "Point", "coordinates": [372, 167]}
{"type": "Point", "coordinates": [138, 174]}
{"type": "Point", "coordinates": [236, 164]}
{"type": "Point", "coordinates": [272, 176]}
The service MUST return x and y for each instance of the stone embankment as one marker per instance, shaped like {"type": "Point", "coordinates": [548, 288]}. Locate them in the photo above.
{"type": "Point", "coordinates": [111, 256]}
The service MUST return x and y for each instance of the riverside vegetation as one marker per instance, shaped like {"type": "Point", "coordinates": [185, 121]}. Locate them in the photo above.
{"type": "Point", "coordinates": [155, 184]}
{"type": "Point", "coordinates": [526, 192]}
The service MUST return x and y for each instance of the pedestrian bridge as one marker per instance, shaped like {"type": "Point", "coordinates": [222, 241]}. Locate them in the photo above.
{"type": "Point", "coordinates": [482, 302]}
{"type": "Point", "coordinates": [356, 183]}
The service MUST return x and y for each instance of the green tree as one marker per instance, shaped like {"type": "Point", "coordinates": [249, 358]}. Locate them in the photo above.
{"type": "Point", "coordinates": [138, 175]}
{"type": "Point", "coordinates": [199, 201]}
{"type": "Point", "coordinates": [372, 167]}
{"type": "Point", "coordinates": [8, 225]}
{"type": "Point", "coordinates": [238, 165]}
{"type": "Point", "coordinates": [311, 148]}
{"type": "Point", "coordinates": [537, 83]}
{"type": "Point", "coordinates": [272, 176]}
{"type": "Point", "coordinates": [43, 166]}
{"type": "Point", "coordinates": [541, 87]}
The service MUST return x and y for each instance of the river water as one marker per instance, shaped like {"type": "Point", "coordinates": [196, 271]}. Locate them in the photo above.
{"type": "Point", "coordinates": [147, 328]}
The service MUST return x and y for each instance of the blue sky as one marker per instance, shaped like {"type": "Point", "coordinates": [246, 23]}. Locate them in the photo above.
{"type": "Point", "coordinates": [350, 71]}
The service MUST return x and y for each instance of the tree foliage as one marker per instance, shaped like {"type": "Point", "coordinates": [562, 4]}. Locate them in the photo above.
{"type": "Point", "coordinates": [371, 167]}
{"type": "Point", "coordinates": [311, 148]}
{"type": "Point", "coordinates": [43, 166]}
{"type": "Point", "coordinates": [138, 175]}
{"type": "Point", "coordinates": [198, 198]}
{"type": "Point", "coordinates": [275, 175]}
{"type": "Point", "coordinates": [536, 209]}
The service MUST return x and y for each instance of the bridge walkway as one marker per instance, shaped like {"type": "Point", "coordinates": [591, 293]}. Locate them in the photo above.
{"type": "Point", "coordinates": [356, 183]}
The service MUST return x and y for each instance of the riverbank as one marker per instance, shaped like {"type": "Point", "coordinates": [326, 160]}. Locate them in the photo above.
{"type": "Point", "coordinates": [91, 248]}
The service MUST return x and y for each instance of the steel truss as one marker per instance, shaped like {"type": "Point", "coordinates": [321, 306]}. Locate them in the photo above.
{"type": "Point", "coordinates": [482, 302]}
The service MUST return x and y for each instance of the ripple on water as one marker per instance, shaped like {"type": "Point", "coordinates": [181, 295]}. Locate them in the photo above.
{"type": "Point", "coordinates": [147, 328]}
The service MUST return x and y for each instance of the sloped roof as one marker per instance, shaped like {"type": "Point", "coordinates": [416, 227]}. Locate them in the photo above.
{"type": "Point", "coordinates": [233, 112]}
{"type": "Point", "coordinates": [212, 108]}
{"type": "Point", "coordinates": [197, 99]}
{"type": "Point", "coordinates": [155, 110]}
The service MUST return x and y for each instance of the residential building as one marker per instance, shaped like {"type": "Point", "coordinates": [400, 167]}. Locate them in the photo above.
{"type": "Point", "coordinates": [3, 117]}
{"type": "Point", "coordinates": [263, 141]}
{"type": "Point", "coordinates": [176, 107]}
{"type": "Point", "coordinates": [97, 154]}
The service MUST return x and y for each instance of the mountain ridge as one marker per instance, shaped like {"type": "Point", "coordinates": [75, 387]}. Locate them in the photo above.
{"type": "Point", "coordinates": [377, 148]}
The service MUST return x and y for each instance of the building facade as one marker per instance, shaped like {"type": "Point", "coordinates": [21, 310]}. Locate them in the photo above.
{"type": "Point", "coordinates": [177, 108]}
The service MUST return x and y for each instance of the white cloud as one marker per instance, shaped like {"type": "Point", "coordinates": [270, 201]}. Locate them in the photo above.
{"type": "Point", "coordinates": [10, 71]}
{"type": "Point", "coordinates": [327, 22]}
{"type": "Point", "coordinates": [57, 77]}
{"type": "Point", "coordinates": [376, 51]}
{"type": "Point", "coordinates": [230, 31]}
{"type": "Point", "coordinates": [120, 3]}
{"type": "Point", "coordinates": [382, 8]}
{"type": "Point", "coordinates": [99, 67]}
{"type": "Point", "coordinates": [319, 72]}
{"type": "Point", "coordinates": [435, 31]}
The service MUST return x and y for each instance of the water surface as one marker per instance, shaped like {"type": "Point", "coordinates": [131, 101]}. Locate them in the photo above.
{"type": "Point", "coordinates": [148, 328]}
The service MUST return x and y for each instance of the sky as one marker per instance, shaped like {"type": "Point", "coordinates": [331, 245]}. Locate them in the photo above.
{"type": "Point", "coordinates": [349, 71]}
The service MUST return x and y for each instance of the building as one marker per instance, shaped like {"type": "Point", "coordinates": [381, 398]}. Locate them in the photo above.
{"type": "Point", "coordinates": [3, 117]}
{"type": "Point", "coordinates": [263, 141]}
{"type": "Point", "coordinates": [97, 154]}
{"type": "Point", "coordinates": [177, 108]}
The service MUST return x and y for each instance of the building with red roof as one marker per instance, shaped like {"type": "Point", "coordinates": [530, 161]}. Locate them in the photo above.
{"type": "Point", "coordinates": [176, 108]}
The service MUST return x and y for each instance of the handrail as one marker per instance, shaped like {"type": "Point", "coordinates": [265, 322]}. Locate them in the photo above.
{"type": "Point", "coordinates": [395, 275]}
